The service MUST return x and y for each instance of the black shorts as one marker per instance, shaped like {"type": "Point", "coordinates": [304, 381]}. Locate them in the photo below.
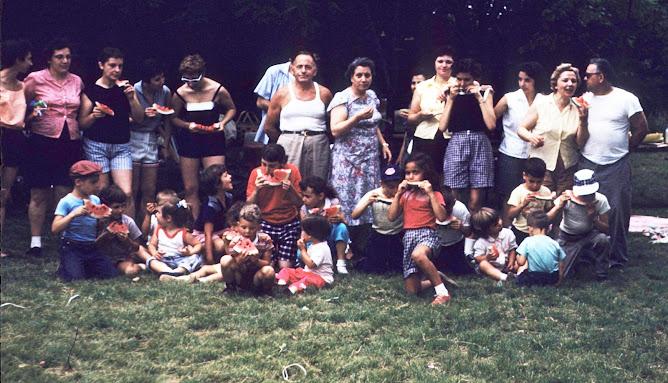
{"type": "Point", "coordinates": [13, 144]}
{"type": "Point", "coordinates": [200, 145]}
{"type": "Point", "coordinates": [49, 160]}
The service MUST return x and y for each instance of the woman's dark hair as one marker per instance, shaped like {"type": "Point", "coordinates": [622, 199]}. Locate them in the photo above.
{"type": "Point", "coordinates": [54, 45]}
{"type": "Point", "coordinates": [482, 220]}
{"type": "Point", "coordinates": [604, 67]}
{"type": "Point", "coordinates": [150, 68]}
{"type": "Point", "coordinates": [536, 72]}
{"type": "Point", "coordinates": [109, 52]}
{"type": "Point", "coordinates": [112, 194]}
{"type": "Point", "coordinates": [469, 66]}
{"type": "Point", "coordinates": [274, 153]}
{"type": "Point", "coordinates": [13, 51]}
{"type": "Point", "coordinates": [232, 215]}
{"type": "Point", "coordinates": [179, 212]}
{"type": "Point", "coordinates": [360, 61]}
{"type": "Point", "coordinates": [209, 180]}
{"type": "Point", "coordinates": [316, 226]}
{"type": "Point", "coordinates": [318, 185]}
{"type": "Point", "coordinates": [443, 50]}
{"type": "Point", "coordinates": [423, 162]}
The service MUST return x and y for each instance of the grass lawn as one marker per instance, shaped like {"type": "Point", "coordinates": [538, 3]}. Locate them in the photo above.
{"type": "Point", "coordinates": [147, 331]}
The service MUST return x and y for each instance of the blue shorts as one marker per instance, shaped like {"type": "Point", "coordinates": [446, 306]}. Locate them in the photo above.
{"type": "Point", "coordinates": [109, 156]}
{"type": "Point", "coordinates": [190, 262]}
{"type": "Point", "coordinates": [469, 161]}
{"type": "Point", "coordinates": [83, 261]}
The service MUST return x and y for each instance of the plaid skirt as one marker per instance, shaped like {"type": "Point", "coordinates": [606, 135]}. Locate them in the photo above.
{"type": "Point", "coordinates": [414, 237]}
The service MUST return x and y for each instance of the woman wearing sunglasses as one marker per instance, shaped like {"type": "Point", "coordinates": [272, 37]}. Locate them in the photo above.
{"type": "Point", "coordinates": [200, 138]}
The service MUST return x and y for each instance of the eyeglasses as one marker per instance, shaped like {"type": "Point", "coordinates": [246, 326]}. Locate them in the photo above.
{"type": "Point", "coordinates": [192, 80]}
{"type": "Point", "coordinates": [587, 74]}
{"type": "Point", "coordinates": [61, 57]}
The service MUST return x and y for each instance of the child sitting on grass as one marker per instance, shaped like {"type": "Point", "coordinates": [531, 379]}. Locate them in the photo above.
{"type": "Point", "coordinates": [584, 227]}
{"type": "Point", "coordinates": [149, 223]}
{"type": "Point", "coordinates": [213, 273]}
{"type": "Point", "coordinates": [384, 249]}
{"type": "Point", "coordinates": [241, 269]}
{"type": "Point", "coordinates": [215, 182]}
{"type": "Point", "coordinates": [523, 199]}
{"type": "Point", "coordinates": [494, 250]}
{"type": "Point", "coordinates": [279, 204]}
{"type": "Point", "coordinates": [422, 206]}
{"type": "Point", "coordinates": [317, 194]}
{"type": "Point", "coordinates": [318, 270]}
{"type": "Point", "coordinates": [173, 250]}
{"type": "Point", "coordinates": [79, 257]}
{"type": "Point", "coordinates": [540, 257]}
{"type": "Point", "coordinates": [119, 247]}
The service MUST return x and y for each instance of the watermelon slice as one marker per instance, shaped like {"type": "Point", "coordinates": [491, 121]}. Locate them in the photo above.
{"type": "Point", "coordinates": [411, 183]}
{"type": "Point", "coordinates": [105, 109]}
{"type": "Point", "coordinates": [328, 212]}
{"type": "Point", "coordinates": [580, 101]}
{"type": "Point", "coordinates": [116, 227]}
{"type": "Point", "coordinates": [575, 198]}
{"type": "Point", "coordinates": [97, 211]}
{"type": "Point", "coordinates": [230, 235]}
{"type": "Point", "coordinates": [448, 220]}
{"type": "Point", "coordinates": [245, 244]}
{"type": "Point", "coordinates": [277, 178]}
{"type": "Point", "coordinates": [383, 199]}
{"type": "Point", "coordinates": [548, 197]}
{"type": "Point", "coordinates": [493, 249]}
{"type": "Point", "coordinates": [163, 109]}
{"type": "Point", "coordinates": [122, 83]}
{"type": "Point", "coordinates": [205, 128]}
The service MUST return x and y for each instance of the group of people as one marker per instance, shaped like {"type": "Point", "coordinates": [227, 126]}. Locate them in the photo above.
{"type": "Point", "coordinates": [320, 177]}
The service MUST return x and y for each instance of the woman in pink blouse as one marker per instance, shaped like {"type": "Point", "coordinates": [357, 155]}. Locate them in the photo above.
{"type": "Point", "coordinates": [16, 59]}
{"type": "Point", "coordinates": [55, 141]}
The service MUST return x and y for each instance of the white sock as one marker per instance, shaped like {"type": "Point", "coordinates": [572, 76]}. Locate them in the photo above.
{"type": "Point", "coordinates": [441, 290]}
{"type": "Point", "coordinates": [341, 262]}
{"type": "Point", "coordinates": [468, 246]}
{"type": "Point", "coordinates": [504, 277]}
{"type": "Point", "coordinates": [35, 241]}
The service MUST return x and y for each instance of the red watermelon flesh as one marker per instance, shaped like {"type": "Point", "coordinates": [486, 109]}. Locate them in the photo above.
{"type": "Point", "coordinates": [581, 101]}
{"type": "Point", "coordinates": [277, 178]}
{"type": "Point", "coordinates": [116, 227]}
{"type": "Point", "coordinates": [97, 211]}
{"type": "Point", "coordinates": [545, 197]}
{"type": "Point", "coordinates": [163, 109]}
{"type": "Point", "coordinates": [328, 212]}
{"type": "Point", "coordinates": [105, 109]}
{"type": "Point", "coordinates": [205, 128]}
{"type": "Point", "coordinates": [575, 198]}
{"type": "Point", "coordinates": [246, 245]}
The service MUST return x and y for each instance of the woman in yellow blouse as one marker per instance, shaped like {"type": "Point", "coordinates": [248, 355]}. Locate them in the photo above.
{"type": "Point", "coordinates": [556, 127]}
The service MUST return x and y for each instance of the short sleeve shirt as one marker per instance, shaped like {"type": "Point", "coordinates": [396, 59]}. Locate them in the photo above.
{"type": "Point", "coordinates": [558, 128]}
{"type": "Point", "coordinates": [417, 209]}
{"type": "Point", "coordinates": [263, 243]}
{"type": "Point", "coordinates": [517, 198]}
{"type": "Point", "coordinates": [114, 249]}
{"type": "Point", "coordinates": [321, 255]}
{"type": "Point", "coordinates": [82, 228]}
{"type": "Point", "coordinates": [429, 91]}
{"type": "Point", "coordinates": [505, 242]}
{"type": "Point", "coordinates": [381, 224]}
{"type": "Point", "coordinates": [273, 200]}
{"type": "Point", "coordinates": [274, 79]}
{"type": "Point", "coordinates": [576, 221]}
{"type": "Point", "coordinates": [110, 129]}
{"type": "Point", "coordinates": [213, 211]}
{"type": "Point", "coordinates": [150, 124]}
{"type": "Point", "coordinates": [448, 235]}
{"type": "Point", "coordinates": [542, 252]}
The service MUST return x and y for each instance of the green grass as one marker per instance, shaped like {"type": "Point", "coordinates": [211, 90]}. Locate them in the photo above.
{"type": "Point", "coordinates": [147, 331]}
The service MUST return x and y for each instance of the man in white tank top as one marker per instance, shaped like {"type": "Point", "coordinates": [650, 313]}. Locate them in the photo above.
{"type": "Point", "coordinates": [613, 114]}
{"type": "Point", "coordinates": [300, 109]}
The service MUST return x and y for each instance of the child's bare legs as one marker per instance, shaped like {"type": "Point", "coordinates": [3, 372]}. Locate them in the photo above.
{"type": "Point", "coordinates": [208, 273]}
{"type": "Point", "coordinates": [523, 267]}
{"type": "Point", "coordinates": [230, 270]}
{"type": "Point", "coordinates": [475, 199]}
{"type": "Point", "coordinates": [414, 284]}
{"type": "Point", "coordinates": [161, 267]}
{"type": "Point", "coordinates": [341, 250]}
{"type": "Point", "coordinates": [128, 267]}
{"type": "Point", "coordinates": [264, 278]}
{"type": "Point", "coordinates": [490, 270]}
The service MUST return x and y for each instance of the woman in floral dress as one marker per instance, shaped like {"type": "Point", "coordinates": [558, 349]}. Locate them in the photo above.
{"type": "Point", "coordinates": [355, 123]}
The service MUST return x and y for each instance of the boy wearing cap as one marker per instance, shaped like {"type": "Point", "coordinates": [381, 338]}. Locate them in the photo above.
{"type": "Point", "coordinates": [585, 223]}
{"type": "Point", "coordinates": [384, 250]}
{"type": "Point", "coordinates": [79, 257]}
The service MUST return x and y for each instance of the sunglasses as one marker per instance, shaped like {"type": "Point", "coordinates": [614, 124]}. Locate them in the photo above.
{"type": "Point", "coordinates": [587, 74]}
{"type": "Point", "coordinates": [192, 80]}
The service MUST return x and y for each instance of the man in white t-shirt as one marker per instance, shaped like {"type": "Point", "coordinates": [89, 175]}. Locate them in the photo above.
{"type": "Point", "coordinates": [613, 113]}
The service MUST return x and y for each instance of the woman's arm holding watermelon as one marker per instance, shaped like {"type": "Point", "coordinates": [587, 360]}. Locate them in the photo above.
{"type": "Point", "coordinates": [88, 113]}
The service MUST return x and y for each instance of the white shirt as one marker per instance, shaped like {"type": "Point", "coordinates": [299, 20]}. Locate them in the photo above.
{"type": "Point", "coordinates": [609, 125]}
{"type": "Point", "coordinates": [505, 242]}
{"type": "Point", "coordinates": [321, 255]}
{"type": "Point", "coordinates": [518, 106]}
{"type": "Point", "coordinates": [448, 235]}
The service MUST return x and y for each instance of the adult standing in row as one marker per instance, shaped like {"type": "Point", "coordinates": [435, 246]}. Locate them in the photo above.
{"type": "Point", "coordinates": [300, 109]}
{"type": "Point", "coordinates": [556, 128]}
{"type": "Point", "coordinates": [107, 133]}
{"type": "Point", "coordinates": [16, 59]}
{"type": "Point", "coordinates": [613, 113]}
{"type": "Point", "coordinates": [514, 151]}
{"type": "Point", "coordinates": [427, 106]}
{"type": "Point", "coordinates": [355, 123]}
{"type": "Point", "coordinates": [468, 114]}
{"type": "Point", "coordinates": [199, 102]}
{"type": "Point", "coordinates": [150, 90]}
{"type": "Point", "coordinates": [276, 77]}
{"type": "Point", "coordinates": [54, 143]}
{"type": "Point", "coordinates": [409, 130]}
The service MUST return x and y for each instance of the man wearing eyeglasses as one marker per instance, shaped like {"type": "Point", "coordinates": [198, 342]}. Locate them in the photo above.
{"type": "Point", "coordinates": [613, 113]}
